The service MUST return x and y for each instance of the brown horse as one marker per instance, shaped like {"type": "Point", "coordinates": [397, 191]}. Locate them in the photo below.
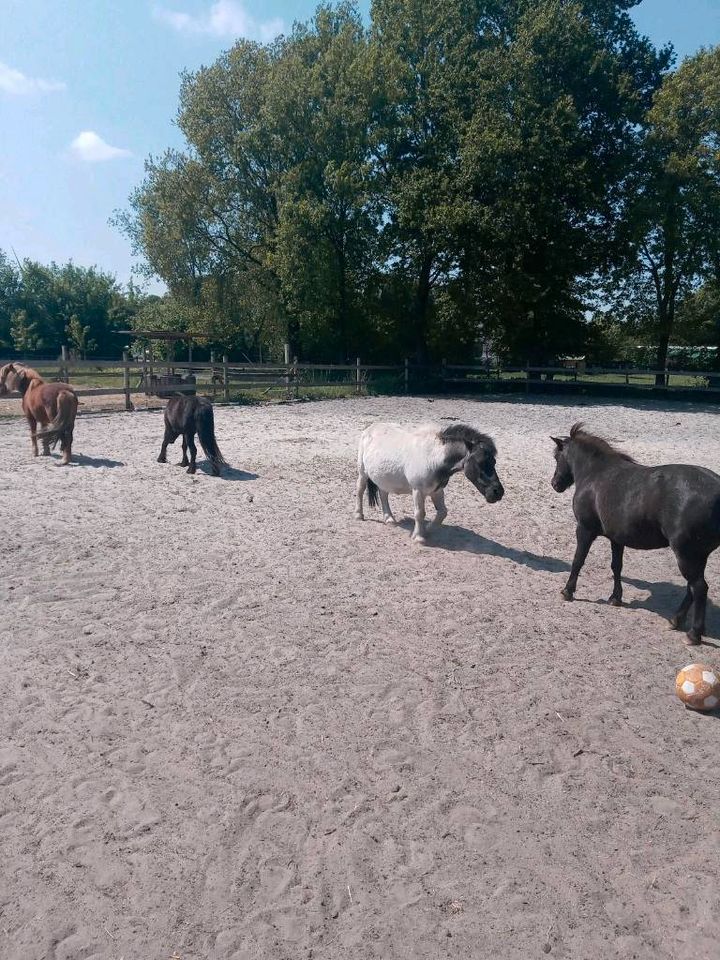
{"type": "Point", "coordinates": [52, 405]}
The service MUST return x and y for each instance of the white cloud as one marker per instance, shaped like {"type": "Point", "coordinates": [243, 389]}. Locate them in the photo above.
{"type": "Point", "coordinates": [18, 84]}
{"type": "Point", "coordinates": [225, 18]}
{"type": "Point", "coordinates": [91, 148]}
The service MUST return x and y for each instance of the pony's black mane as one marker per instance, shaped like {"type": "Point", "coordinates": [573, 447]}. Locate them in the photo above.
{"type": "Point", "coordinates": [594, 444]}
{"type": "Point", "coordinates": [462, 433]}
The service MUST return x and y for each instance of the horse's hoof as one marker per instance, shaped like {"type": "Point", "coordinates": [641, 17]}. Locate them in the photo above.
{"type": "Point", "coordinates": [676, 623]}
{"type": "Point", "coordinates": [191, 469]}
{"type": "Point", "coordinates": [162, 460]}
{"type": "Point", "coordinates": [565, 594]}
{"type": "Point", "coordinates": [390, 520]}
{"type": "Point", "coordinates": [693, 638]}
{"type": "Point", "coordinates": [420, 539]}
{"type": "Point", "coordinates": [615, 602]}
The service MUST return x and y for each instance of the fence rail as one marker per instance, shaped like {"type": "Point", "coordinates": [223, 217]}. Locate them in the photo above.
{"type": "Point", "coordinates": [223, 378]}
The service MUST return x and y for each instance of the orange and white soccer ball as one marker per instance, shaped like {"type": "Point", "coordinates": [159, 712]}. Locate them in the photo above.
{"type": "Point", "coordinates": [698, 686]}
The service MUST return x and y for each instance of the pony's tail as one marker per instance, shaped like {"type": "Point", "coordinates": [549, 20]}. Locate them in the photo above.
{"type": "Point", "coordinates": [206, 436]}
{"type": "Point", "coordinates": [372, 490]}
{"type": "Point", "coordinates": [61, 427]}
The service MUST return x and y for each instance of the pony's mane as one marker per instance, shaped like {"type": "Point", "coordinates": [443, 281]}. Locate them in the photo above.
{"type": "Point", "coordinates": [462, 433]}
{"type": "Point", "coordinates": [594, 444]}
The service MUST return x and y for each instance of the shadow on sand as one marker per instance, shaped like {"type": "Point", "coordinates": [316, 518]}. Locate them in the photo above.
{"type": "Point", "coordinates": [228, 473]}
{"type": "Point", "coordinates": [453, 538]}
{"type": "Point", "coordinates": [664, 599]}
{"type": "Point", "coordinates": [80, 460]}
{"type": "Point", "coordinates": [666, 404]}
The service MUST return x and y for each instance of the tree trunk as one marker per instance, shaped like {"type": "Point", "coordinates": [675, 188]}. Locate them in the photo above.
{"type": "Point", "coordinates": [662, 352]}
{"type": "Point", "coordinates": [422, 302]}
{"type": "Point", "coordinates": [343, 323]}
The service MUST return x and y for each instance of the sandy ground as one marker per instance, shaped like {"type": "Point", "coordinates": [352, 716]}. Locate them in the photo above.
{"type": "Point", "coordinates": [237, 723]}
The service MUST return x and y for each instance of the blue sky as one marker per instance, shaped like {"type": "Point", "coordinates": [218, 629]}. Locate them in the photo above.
{"type": "Point", "coordinates": [89, 89]}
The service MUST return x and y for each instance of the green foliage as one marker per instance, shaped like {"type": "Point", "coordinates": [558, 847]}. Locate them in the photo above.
{"type": "Point", "coordinates": [44, 307]}
{"type": "Point", "coordinates": [454, 171]}
{"type": "Point", "coordinates": [79, 337]}
{"type": "Point", "coordinates": [672, 205]}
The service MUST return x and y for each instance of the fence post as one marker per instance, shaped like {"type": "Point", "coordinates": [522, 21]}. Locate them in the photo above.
{"type": "Point", "coordinates": [287, 369]}
{"type": "Point", "coordinates": [357, 375]}
{"type": "Point", "coordinates": [443, 371]}
{"type": "Point", "coordinates": [226, 379]}
{"type": "Point", "coordinates": [296, 377]}
{"type": "Point", "coordinates": [407, 374]}
{"type": "Point", "coordinates": [126, 381]}
{"type": "Point", "coordinates": [212, 372]}
{"type": "Point", "coordinates": [63, 372]}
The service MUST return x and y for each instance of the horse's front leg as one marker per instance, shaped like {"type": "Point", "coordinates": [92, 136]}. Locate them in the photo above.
{"type": "Point", "coordinates": [693, 569]}
{"type": "Point", "coordinates": [438, 499]}
{"type": "Point", "coordinates": [419, 530]}
{"type": "Point", "coordinates": [585, 539]}
{"type": "Point", "coordinates": [616, 566]}
{"type": "Point", "coordinates": [360, 493]}
{"type": "Point", "coordinates": [170, 437]}
{"type": "Point", "coordinates": [386, 511]}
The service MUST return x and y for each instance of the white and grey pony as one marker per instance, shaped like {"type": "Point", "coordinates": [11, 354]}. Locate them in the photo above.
{"type": "Point", "coordinates": [420, 460]}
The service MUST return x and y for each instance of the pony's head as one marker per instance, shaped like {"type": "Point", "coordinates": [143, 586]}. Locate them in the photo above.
{"type": "Point", "coordinates": [479, 468]}
{"type": "Point", "coordinates": [11, 378]}
{"type": "Point", "coordinates": [578, 447]}
{"type": "Point", "coordinates": [563, 476]}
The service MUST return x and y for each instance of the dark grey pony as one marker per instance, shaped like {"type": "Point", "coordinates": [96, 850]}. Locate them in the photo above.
{"type": "Point", "coordinates": [187, 416]}
{"type": "Point", "coordinates": [644, 508]}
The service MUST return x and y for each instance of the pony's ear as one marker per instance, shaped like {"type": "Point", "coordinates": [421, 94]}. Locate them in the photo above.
{"type": "Point", "coordinates": [558, 441]}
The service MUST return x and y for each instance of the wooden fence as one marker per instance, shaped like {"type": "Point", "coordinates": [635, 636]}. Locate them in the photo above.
{"type": "Point", "coordinates": [224, 379]}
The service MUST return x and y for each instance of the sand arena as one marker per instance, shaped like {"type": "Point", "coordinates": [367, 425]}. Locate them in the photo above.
{"type": "Point", "coordinates": [239, 724]}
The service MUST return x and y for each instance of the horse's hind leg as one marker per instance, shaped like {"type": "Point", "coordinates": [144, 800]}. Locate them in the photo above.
{"type": "Point", "coordinates": [32, 423]}
{"type": "Point", "coordinates": [693, 569]}
{"type": "Point", "coordinates": [438, 499]}
{"type": "Point", "coordinates": [66, 447]}
{"type": "Point", "coordinates": [419, 531]}
{"type": "Point", "coordinates": [616, 567]}
{"type": "Point", "coordinates": [360, 491]}
{"type": "Point", "coordinates": [585, 539]}
{"type": "Point", "coordinates": [170, 437]}
{"type": "Point", "coordinates": [184, 462]}
{"type": "Point", "coordinates": [386, 511]}
{"type": "Point", "coordinates": [193, 451]}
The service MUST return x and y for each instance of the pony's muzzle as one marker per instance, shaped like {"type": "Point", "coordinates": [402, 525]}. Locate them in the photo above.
{"type": "Point", "coordinates": [495, 493]}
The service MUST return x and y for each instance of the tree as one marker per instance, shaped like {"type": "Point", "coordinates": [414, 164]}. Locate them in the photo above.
{"type": "Point", "coordinates": [79, 337]}
{"type": "Point", "coordinates": [9, 289]}
{"type": "Point", "coordinates": [41, 305]}
{"type": "Point", "coordinates": [548, 148]}
{"type": "Point", "coordinates": [423, 56]}
{"type": "Point", "coordinates": [673, 210]}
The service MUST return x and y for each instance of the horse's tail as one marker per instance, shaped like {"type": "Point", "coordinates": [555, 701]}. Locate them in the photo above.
{"type": "Point", "coordinates": [61, 427]}
{"type": "Point", "coordinates": [372, 489]}
{"type": "Point", "coordinates": [205, 422]}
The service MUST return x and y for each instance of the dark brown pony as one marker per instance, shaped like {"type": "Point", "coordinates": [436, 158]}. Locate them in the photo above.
{"type": "Point", "coordinates": [52, 405]}
{"type": "Point", "coordinates": [645, 508]}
